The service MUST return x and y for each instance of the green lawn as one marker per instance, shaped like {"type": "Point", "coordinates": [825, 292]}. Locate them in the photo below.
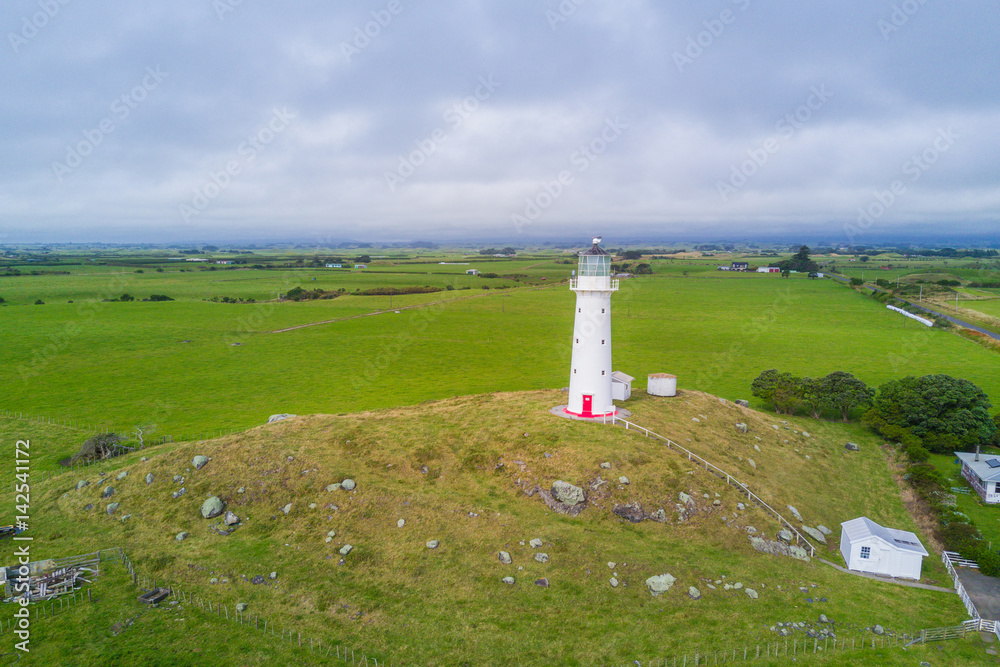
{"type": "Point", "coordinates": [986, 517]}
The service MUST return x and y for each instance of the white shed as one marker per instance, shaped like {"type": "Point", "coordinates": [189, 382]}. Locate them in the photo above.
{"type": "Point", "coordinates": [621, 386]}
{"type": "Point", "coordinates": [869, 547]}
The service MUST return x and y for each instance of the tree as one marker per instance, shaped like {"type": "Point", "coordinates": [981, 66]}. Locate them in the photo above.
{"type": "Point", "coordinates": [864, 258]}
{"type": "Point", "coordinates": [945, 413]}
{"type": "Point", "coordinates": [363, 259]}
{"type": "Point", "coordinates": [783, 390]}
{"type": "Point", "coordinates": [632, 254]}
{"type": "Point", "coordinates": [643, 269]}
{"type": "Point", "coordinates": [842, 392]}
{"type": "Point", "coordinates": [785, 272]}
{"type": "Point", "coordinates": [800, 262]}
{"type": "Point", "coordinates": [856, 282]}
{"type": "Point", "coordinates": [812, 396]}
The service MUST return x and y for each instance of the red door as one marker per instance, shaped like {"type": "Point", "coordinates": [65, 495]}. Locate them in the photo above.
{"type": "Point", "coordinates": [588, 405]}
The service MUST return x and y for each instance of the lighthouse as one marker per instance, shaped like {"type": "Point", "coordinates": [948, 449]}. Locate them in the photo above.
{"type": "Point", "coordinates": [590, 372]}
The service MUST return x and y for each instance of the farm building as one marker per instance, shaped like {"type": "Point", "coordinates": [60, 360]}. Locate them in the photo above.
{"type": "Point", "coordinates": [768, 269]}
{"type": "Point", "coordinates": [983, 473]}
{"type": "Point", "coordinates": [360, 266]}
{"type": "Point", "coordinates": [740, 266]}
{"type": "Point", "coordinates": [869, 547]}
{"type": "Point", "coordinates": [621, 386]}
{"type": "Point", "coordinates": [334, 266]}
{"type": "Point", "coordinates": [472, 272]}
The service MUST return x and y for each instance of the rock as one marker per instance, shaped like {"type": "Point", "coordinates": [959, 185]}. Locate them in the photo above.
{"type": "Point", "coordinates": [613, 582]}
{"type": "Point", "coordinates": [694, 593]}
{"type": "Point", "coordinates": [312, 506]}
{"type": "Point", "coordinates": [824, 530]}
{"type": "Point", "coordinates": [400, 523]}
{"type": "Point", "coordinates": [433, 544]}
{"type": "Point", "coordinates": [806, 434]}
{"type": "Point", "coordinates": [543, 582]}
{"type": "Point", "coordinates": [108, 492]}
{"type": "Point", "coordinates": [717, 502]}
{"type": "Point", "coordinates": [333, 487]}
{"type": "Point", "coordinates": [348, 484]}
{"type": "Point", "coordinates": [696, 420]}
{"type": "Point", "coordinates": [504, 557]}
{"type": "Point", "coordinates": [794, 512]}
{"type": "Point", "coordinates": [751, 530]}
{"type": "Point", "coordinates": [346, 549]}
{"type": "Point", "coordinates": [273, 575]}
{"type": "Point", "coordinates": [786, 536]}
{"type": "Point", "coordinates": [279, 417]}
{"type": "Point", "coordinates": [535, 543]}
{"type": "Point", "coordinates": [659, 515]}
{"type": "Point", "coordinates": [738, 585]}
{"type": "Point", "coordinates": [740, 506]}
{"type": "Point", "coordinates": [815, 534]}
{"type": "Point", "coordinates": [213, 580]}
{"type": "Point", "coordinates": [611, 564]}
{"type": "Point", "coordinates": [757, 447]}
{"type": "Point", "coordinates": [542, 557]}
{"type": "Point", "coordinates": [623, 480]}
{"type": "Point", "coordinates": [685, 498]}
{"type": "Point", "coordinates": [122, 475]}
{"type": "Point", "coordinates": [632, 512]}
{"type": "Point", "coordinates": [753, 464]}
{"type": "Point", "coordinates": [567, 493]}
{"type": "Point", "coordinates": [879, 630]}
{"type": "Point", "coordinates": [332, 533]}
{"type": "Point", "coordinates": [149, 478]}
{"type": "Point", "coordinates": [287, 508]}
{"type": "Point", "coordinates": [112, 508]}
{"type": "Point", "coordinates": [508, 580]}
{"type": "Point", "coordinates": [212, 507]}
{"type": "Point", "coordinates": [823, 618]}
{"type": "Point", "coordinates": [852, 447]}
{"type": "Point", "coordinates": [742, 402]}
{"type": "Point", "coordinates": [179, 479]}
{"type": "Point", "coordinates": [82, 483]}
{"type": "Point", "coordinates": [741, 427]}
{"type": "Point", "coordinates": [179, 492]}
{"type": "Point", "coordinates": [778, 548]}
{"type": "Point", "coordinates": [231, 519]}
{"type": "Point", "coordinates": [752, 594]}
{"type": "Point", "coordinates": [181, 536]}
{"type": "Point", "coordinates": [88, 507]}
{"type": "Point", "coordinates": [242, 489]}
{"type": "Point", "coordinates": [241, 607]}
{"type": "Point", "coordinates": [199, 462]}
{"type": "Point", "coordinates": [775, 427]}
{"type": "Point", "coordinates": [660, 584]}
{"type": "Point", "coordinates": [606, 464]}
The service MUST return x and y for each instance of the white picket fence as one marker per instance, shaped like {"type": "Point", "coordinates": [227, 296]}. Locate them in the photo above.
{"type": "Point", "coordinates": [951, 560]}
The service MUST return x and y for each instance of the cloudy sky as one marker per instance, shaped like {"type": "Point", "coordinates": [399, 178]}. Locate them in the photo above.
{"type": "Point", "coordinates": [400, 119]}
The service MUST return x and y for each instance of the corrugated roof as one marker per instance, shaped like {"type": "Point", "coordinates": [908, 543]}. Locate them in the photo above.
{"type": "Point", "coordinates": [863, 527]}
{"type": "Point", "coordinates": [621, 377]}
{"type": "Point", "coordinates": [981, 467]}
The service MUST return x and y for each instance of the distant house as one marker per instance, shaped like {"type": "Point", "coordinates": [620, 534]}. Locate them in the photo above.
{"type": "Point", "coordinates": [223, 261]}
{"type": "Point", "coordinates": [360, 266]}
{"type": "Point", "coordinates": [768, 269]}
{"type": "Point", "coordinates": [725, 268]}
{"type": "Point", "coordinates": [869, 547]}
{"type": "Point", "coordinates": [195, 259]}
{"type": "Point", "coordinates": [739, 266]}
{"type": "Point", "coordinates": [621, 386]}
{"type": "Point", "coordinates": [472, 272]}
{"type": "Point", "coordinates": [983, 473]}
{"type": "Point", "coordinates": [334, 266]}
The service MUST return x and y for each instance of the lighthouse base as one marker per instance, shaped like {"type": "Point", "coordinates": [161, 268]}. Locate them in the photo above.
{"type": "Point", "coordinates": [561, 411]}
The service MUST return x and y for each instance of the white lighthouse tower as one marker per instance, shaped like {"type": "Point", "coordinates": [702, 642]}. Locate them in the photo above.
{"type": "Point", "coordinates": [590, 373]}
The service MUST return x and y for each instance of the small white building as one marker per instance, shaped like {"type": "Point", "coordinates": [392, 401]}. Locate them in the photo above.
{"type": "Point", "coordinates": [621, 386]}
{"type": "Point", "coordinates": [869, 547]}
{"type": "Point", "coordinates": [334, 266]}
{"type": "Point", "coordinates": [983, 474]}
{"type": "Point", "coordinates": [472, 272]}
{"type": "Point", "coordinates": [768, 269]}
{"type": "Point", "coordinates": [360, 266]}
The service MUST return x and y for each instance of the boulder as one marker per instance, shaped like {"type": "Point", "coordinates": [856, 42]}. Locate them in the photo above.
{"type": "Point", "coordinates": [212, 507]}
{"type": "Point", "coordinates": [179, 479]}
{"type": "Point", "coordinates": [794, 512]}
{"type": "Point", "coordinates": [122, 475]}
{"type": "Point", "coordinates": [823, 618]}
{"type": "Point", "coordinates": [400, 523]}
{"type": "Point", "coordinates": [273, 575]}
{"type": "Point", "coordinates": [230, 519]}
{"type": "Point", "coordinates": [751, 530]}
{"type": "Point", "coordinates": [740, 506]}
{"type": "Point", "coordinates": [806, 434]}
{"type": "Point", "coordinates": [178, 493]}
{"type": "Point", "coordinates": [823, 529]}
{"type": "Point", "coordinates": [433, 544]}
{"type": "Point", "coordinates": [287, 508]}
{"type": "Point", "coordinates": [685, 498]}
{"type": "Point", "coordinates": [346, 549]}
{"type": "Point", "coordinates": [149, 478]}
{"type": "Point", "coordinates": [741, 427]}
{"type": "Point", "coordinates": [199, 462]}
{"type": "Point", "coordinates": [879, 630]}
{"type": "Point", "coordinates": [88, 507]}
{"type": "Point", "coordinates": [786, 536]}
{"type": "Point", "coordinates": [742, 402]}
{"type": "Point", "coordinates": [112, 508]}
{"type": "Point", "coordinates": [814, 533]}
{"type": "Point", "coordinates": [542, 557]}
{"type": "Point", "coordinates": [241, 607]}
{"type": "Point", "coordinates": [753, 464]}
{"type": "Point", "coordinates": [632, 512]}
{"type": "Point", "coordinates": [108, 492]}
{"type": "Point", "coordinates": [614, 582]}
{"type": "Point", "coordinates": [82, 483]}
{"type": "Point", "coordinates": [279, 417]}
{"type": "Point", "coordinates": [348, 484]}
{"type": "Point", "coordinates": [504, 557]}
{"type": "Point", "coordinates": [659, 515]}
{"type": "Point", "coordinates": [567, 493]}
{"type": "Point", "coordinates": [333, 487]}
{"type": "Point", "coordinates": [508, 580]}
{"type": "Point", "coordinates": [852, 447]}
{"type": "Point", "coordinates": [778, 548]}
{"type": "Point", "coordinates": [543, 582]}
{"type": "Point", "coordinates": [181, 536]}
{"type": "Point", "coordinates": [694, 593]}
{"type": "Point", "coordinates": [534, 543]}
{"type": "Point", "coordinates": [660, 584]}
{"type": "Point", "coordinates": [624, 480]}
{"type": "Point", "coordinates": [606, 464]}
{"type": "Point", "coordinates": [752, 594]}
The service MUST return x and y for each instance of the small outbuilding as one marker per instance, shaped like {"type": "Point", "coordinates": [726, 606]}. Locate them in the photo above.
{"type": "Point", "coordinates": [472, 272]}
{"type": "Point", "coordinates": [868, 547]}
{"type": "Point", "coordinates": [983, 474]}
{"type": "Point", "coordinates": [621, 386]}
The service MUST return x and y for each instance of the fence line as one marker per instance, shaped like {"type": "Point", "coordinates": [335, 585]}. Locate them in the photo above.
{"type": "Point", "coordinates": [722, 474]}
{"type": "Point", "coordinates": [950, 560]}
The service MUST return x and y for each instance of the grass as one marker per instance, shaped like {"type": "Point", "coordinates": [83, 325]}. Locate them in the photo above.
{"type": "Point", "coordinates": [397, 598]}
{"type": "Point", "coordinates": [986, 517]}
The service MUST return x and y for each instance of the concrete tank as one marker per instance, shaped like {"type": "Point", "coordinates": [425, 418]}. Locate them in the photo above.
{"type": "Point", "coordinates": [661, 384]}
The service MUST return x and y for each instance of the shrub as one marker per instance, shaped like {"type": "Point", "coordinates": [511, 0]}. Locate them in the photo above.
{"type": "Point", "coordinates": [104, 446]}
{"type": "Point", "coordinates": [856, 282]}
{"type": "Point", "coordinates": [39, 302]}
{"type": "Point", "coordinates": [916, 453]}
{"type": "Point", "coordinates": [159, 297]}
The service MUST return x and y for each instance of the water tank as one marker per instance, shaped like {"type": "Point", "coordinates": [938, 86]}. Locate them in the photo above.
{"type": "Point", "coordinates": [661, 384]}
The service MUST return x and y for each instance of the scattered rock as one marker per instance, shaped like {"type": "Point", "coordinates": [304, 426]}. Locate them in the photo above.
{"type": "Point", "coordinates": [614, 582]}
{"type": "Point", "coordinates": [740, 506]}
{"type": "Point", "coordinates": [149, 478]}
{"type": "Point", "coordinates": [775, 427]}
{"type": "Point", "coordinates": [213, 580]}
{"type": "Point", "coordinates": [179, 492]}
{"type": "Point", "coordinates": [852, 447]}
{"type": "Point", "coordinates": [199, 462]}
{"type": "Point", "coordinates": [824, 530]}
{"type": "Point", "coordinates": [632, 512]}
{"type": "Point", "coordinates": [241, 607]}
{"type": "Point", "coordinates": [508, 580]}
{"type": "Point", "coordinates": [806, 434]}
{"type": "Point", "coordinates": [823, 618]}
{"type": "Point", "coordinates": [242, 489]}
{"type": "Point", "coordinates": [778, 548]}
{"type": "Point", "coordinates": [794, 512]}
{"type": "Point", "coordinates": [786, 536]}
{"type": "Point", "coordinates": [273, 575]}
{"type": "Point", "coordinates": [879, 630]}
{"type": "Point", "coordinates": [112, 508]}
{"type": "Point", "coordinates": [752, 594]}
{"type": "Point", "coordinates": [660, 584]}
{"type": "Point", "coordinates": [659, 515]}
{"type": "Point", "coordinates": [738, 585]}
{"type": "Point", "coordinates": [751, 530]}
{"type": "Point", "coordinates": [753, 464]}
{"type": "Point", "coordinates": [179, 479]}
{"type": "Point", "coordinates": [400, 523]}
{"type": "Point", "coordinates": [757, 447]}
{"type": "Point", "coordinates": [741, 427]}
{"type": "Point", "coordinates": [542, 557]}
{"type": "Point", "coordinates": [312, 506]}
{"type": "Point", "coordinates": [814, 533]}
{"type": "Point", "coordinates": [611, 564]}
{"type": "Point", "coordinates": [504, 557]}
{"type": "Point", "coordinates": [433, 544]}
{"type": "Point", "coordinates": [606, 464]}
{"type": "Point", "coordinates": [567, 493]}
{"type": "Point", "coordinates": [623, 480]}
{"type": "Point", "coordinates": [333, 487]}
{"type": "Point", "coordinates": [685, 498]}
{"type": "Point", "coordinates": [543, 582]}
{"type": "Point", "coordinates": [212, 507]}
{"type": "Point", "coordinates": [88, 507]}
{"type": "Point", "coordinates": [287, 508]}
{"type": "Point", "coordinates": [717, 502]}
{"type": "Point", "coordinates": [346, 549]}
{"type": "Point", "coordinates": [742, 402]}
{"type": "Point", "coordinates": [696, 420]}
{"type": "Point", "coordinates": [122, 475]}
{"type": "Point", "coordinates": [694, 593]}
{"type": "Point", "coordinates": [348, 484]}
{"type": "Point", "coordinates": [231, 519]}
{"type": "Point", "coordinates": [279, 417]}
{"type": "Point", "coordinates": [82, 483]}
{"type": "Point", "coordinates": [257, 580]}
{"type": "Point", "coordinates": [535, 543]}
{"type": "Point", "coordinates": [108, 492]}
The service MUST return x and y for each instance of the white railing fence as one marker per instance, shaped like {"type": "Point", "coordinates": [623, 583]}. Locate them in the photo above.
{"type": "Point", "coordinates": [951, 560]}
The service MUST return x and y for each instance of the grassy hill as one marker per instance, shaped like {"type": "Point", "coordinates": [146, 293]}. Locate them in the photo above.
{"type": "Point", "coordinates": [463, 471]}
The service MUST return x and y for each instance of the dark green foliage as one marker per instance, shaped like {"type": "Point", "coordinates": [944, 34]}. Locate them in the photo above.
{"type": "Point", "coordinates": [842, 392]}
{"type": "Point", "coordinates": [924, 477]}
{"type": "Point", "coordinates": [916, 453]}
{"type": "Point", "coordinates": [363, 259]}
{"type": "Point", "coordinates": [125, 297]}
{"type": "Point", "coordinates": [855, 282]}
{"type": "Point", "coordinates": [632, 254]}
{"type": "Point", "coordinates": [946, 413]}
{"type": "Point", "coordinates": [799, 262]}
{"type": "Point", "coordinates": [103, 446]}
{"type": "Point", "coordinates": [643, 269]}
{"type": "Point", "coordinates": [39, 302]}
{"type": "Point", "coordinates": [783, 390]}
{"type": "Point", "coordinates": [159, 297]}
{"type": "Point", "coordinates": [839, 391]}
